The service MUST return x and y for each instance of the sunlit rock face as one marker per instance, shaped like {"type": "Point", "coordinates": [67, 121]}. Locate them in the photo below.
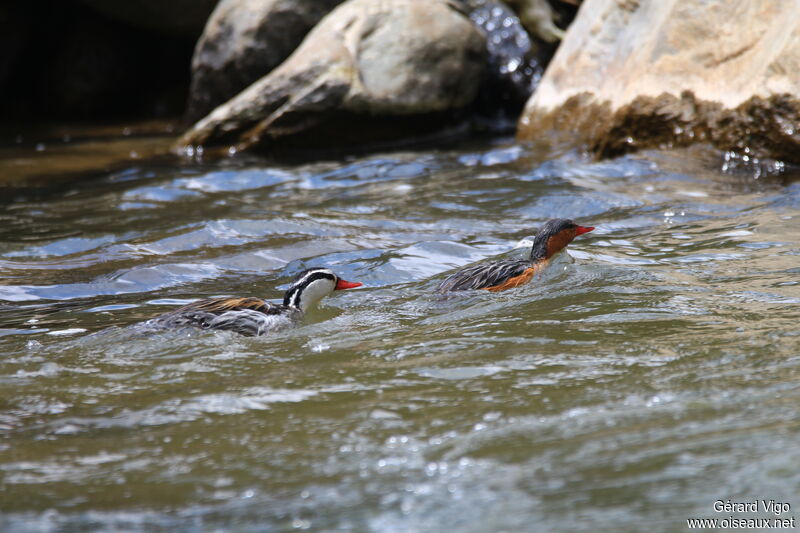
{"type": "Point", "coordinates": [244, 40]}
{"type": "Point", "coordinates": [638, 74]}
{"type": "Point", "coordinates": [371, 69]}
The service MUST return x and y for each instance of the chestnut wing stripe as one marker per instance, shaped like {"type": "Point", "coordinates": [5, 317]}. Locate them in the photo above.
{"type": "Point", "coordinates": [516, 281]}
{"type": "Point", "coordinates": [485, 275]}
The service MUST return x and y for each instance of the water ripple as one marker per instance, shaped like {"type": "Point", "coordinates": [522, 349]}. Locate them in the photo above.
{"type": "Point", "coordinates": [652, 363]}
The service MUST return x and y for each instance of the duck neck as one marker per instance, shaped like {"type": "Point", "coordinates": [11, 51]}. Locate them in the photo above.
{"type": "Point", "coordinates": [539, 250]}
{"type": "Point", "coordinates": [294, 298]}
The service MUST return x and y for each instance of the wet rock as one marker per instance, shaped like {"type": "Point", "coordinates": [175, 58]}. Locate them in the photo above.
{"type": "Point", "coordinates": [633, 74]}
{"type": "Point", "coordinates": [178, 18]}
{"type": "Point", "coordinates": [369, 70]}
{"type": "Point", "coordinates": [244, 40]}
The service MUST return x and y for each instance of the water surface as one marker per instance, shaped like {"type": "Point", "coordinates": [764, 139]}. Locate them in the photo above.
{"type": "Point", "coordinates": [652, 369]}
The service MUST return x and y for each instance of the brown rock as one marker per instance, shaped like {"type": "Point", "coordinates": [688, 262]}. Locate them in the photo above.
{"type": "Point", "coordinates": [633, 74]}
{"type": "Point", "coordinates": [538, 17]}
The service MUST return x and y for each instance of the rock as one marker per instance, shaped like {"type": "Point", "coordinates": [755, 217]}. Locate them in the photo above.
{"type": "Point", "coordinates": [370, 70]}
{"type": "Point", "coordinates": [633, 74]}
{"type": "Point", "coordinates": [244, 40]}
{"type": "Point", "coordinates": [538, 18]}
{"type": "Point", "coordinates": [178, 18]}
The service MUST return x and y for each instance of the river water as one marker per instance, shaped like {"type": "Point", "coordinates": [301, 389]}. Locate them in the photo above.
{"type": "Point", "coordinates": [651, 370]}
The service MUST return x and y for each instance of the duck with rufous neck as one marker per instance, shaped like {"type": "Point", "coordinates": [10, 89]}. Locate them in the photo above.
{"type": "Point", "coordinates": [496, 276]}
{"type": "Point", "coordinates": [254, 316]}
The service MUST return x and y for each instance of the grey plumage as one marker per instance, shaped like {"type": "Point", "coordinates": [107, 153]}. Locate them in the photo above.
{"type": "Point", "coordinates": [248, 316]}
{"type": "Point", "coordinates": [484, 275]}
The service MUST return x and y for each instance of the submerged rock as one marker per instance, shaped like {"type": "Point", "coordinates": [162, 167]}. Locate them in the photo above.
{"type": "Point", "coordinates": [632, 75]}
{"type": "Point", "coordinates": [244, 40]}
{"type": "Point", "coordinates": [370, 70]}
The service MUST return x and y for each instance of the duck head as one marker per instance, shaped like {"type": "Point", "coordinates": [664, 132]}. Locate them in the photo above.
{"type": "Point", "coordinates": [554, 235]}
{"type": "Point", "coordinates": [312, 285]}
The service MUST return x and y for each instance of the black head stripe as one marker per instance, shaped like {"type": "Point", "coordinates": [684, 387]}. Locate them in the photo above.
{"type": "Point", "coordinates": [314, 276]}
{"type": "Point", "coordinates": [306, 272]}
{"type": "Point", "coordinates": [303, 280]}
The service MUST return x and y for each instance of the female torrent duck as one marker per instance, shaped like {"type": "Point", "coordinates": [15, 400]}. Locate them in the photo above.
{"type": "Point", "coordinates": [495, 276]}
{"type": "Point", "coordinates": [254, 316]}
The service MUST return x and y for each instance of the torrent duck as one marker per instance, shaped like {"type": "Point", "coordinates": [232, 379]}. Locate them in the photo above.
{"type": "Point", "coordinates": [508, 274]}
{"type": "Point", "coordinates": [254, 316]}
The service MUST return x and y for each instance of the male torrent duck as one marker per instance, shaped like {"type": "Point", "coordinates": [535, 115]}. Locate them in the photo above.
{"type": "Point", "coordinates": [502, 275]}
{"type": "Point", "coordinates": [254, 316]}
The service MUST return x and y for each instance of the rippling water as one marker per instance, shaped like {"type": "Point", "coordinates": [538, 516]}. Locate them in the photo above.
{"type": "Point", "coordinates": [651, 370]}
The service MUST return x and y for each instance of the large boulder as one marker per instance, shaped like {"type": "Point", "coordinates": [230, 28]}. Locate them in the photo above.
{"type": "Point", "coordinates": [633, 74]}
{"type": "Point", "coordinates": [371, 69]}
{"type": "Point", "coordinates": [244, 40]}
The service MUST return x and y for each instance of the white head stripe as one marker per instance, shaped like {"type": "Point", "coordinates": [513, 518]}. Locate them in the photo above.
{"type": "Point", "coordinates": [309, 289]}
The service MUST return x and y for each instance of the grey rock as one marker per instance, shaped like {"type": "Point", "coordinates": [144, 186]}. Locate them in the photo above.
{"type": "Point", "coordinates": [365, 62]}
{"type": "Point", "coordinates": [244, 40]}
